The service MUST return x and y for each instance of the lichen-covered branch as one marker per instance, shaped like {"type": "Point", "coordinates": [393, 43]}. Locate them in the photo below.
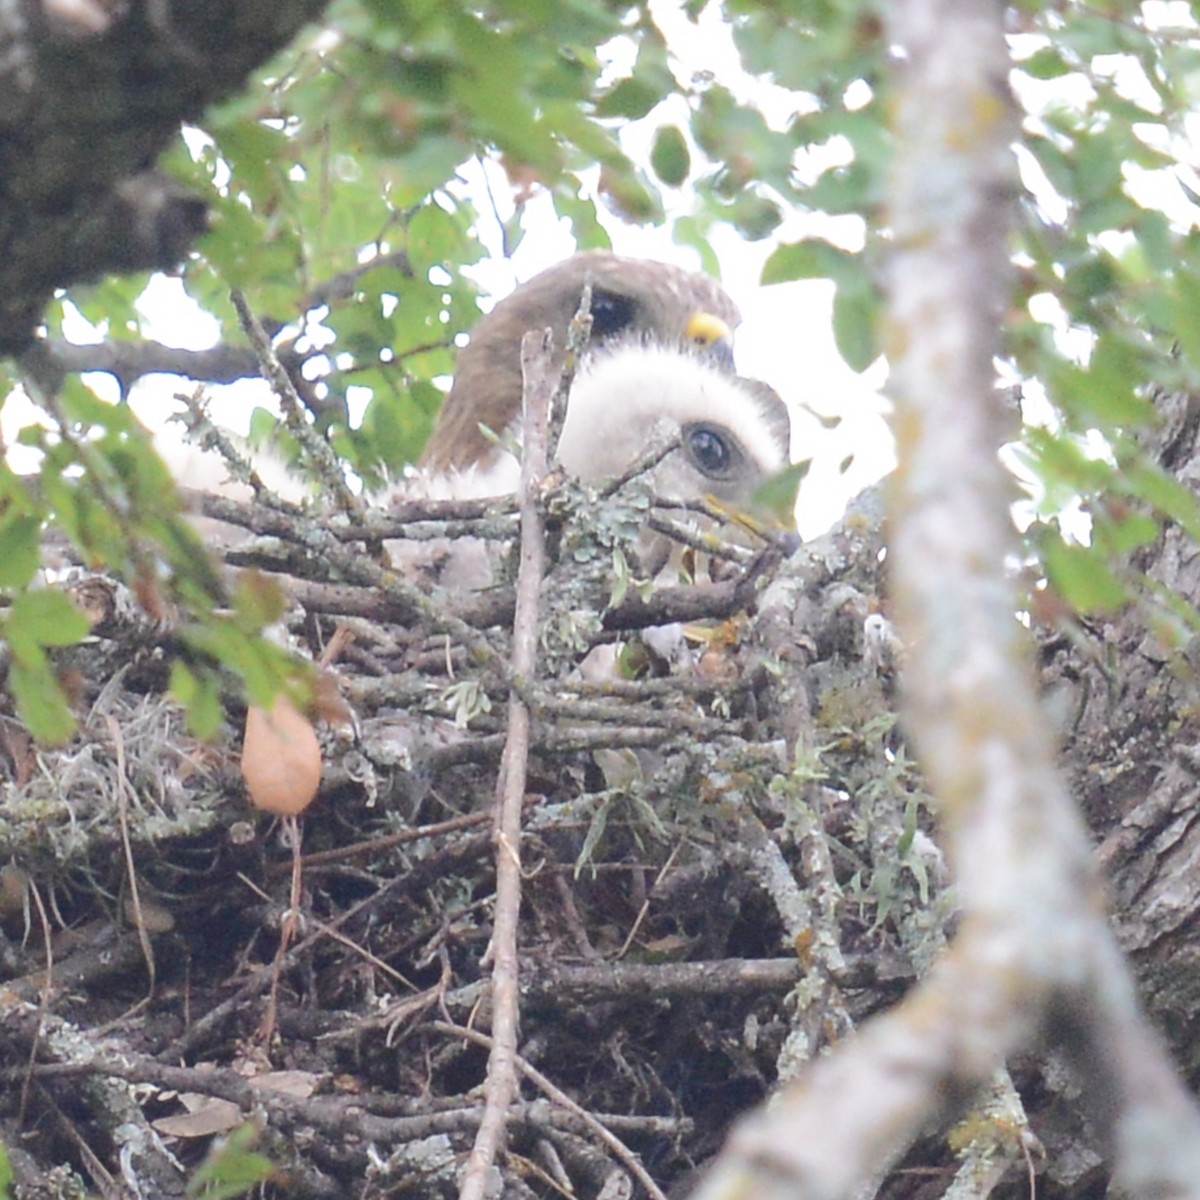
{"type": "Point", "coordinates": [1034, 955]}
{"type": "Point", "coordinates": [539, 386]}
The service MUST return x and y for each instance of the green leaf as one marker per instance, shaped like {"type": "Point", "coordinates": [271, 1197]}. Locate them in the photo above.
{"type": "Point", "coordinates": [754, 215]}
{"type": "Point", "coordinates": [398, 426]}
{"type": "Point", "coordinates": [814, 258]}
{"type": "Point", "coordinates": [1046, 63]}
{"type": "Point", "coordinates": [231, 1168]}
{"type": "Point", "coordinates": [44, 618]}
{"type": "Point", "coordinates": [1066, 467]}
{"type": "Point", "coordinates": [777, 495]}
{"type": "Point", "coordinates": [435, 238]}
{"type": "Point", "coordinates": [1149, 482]}
{"type": "Point", "coordinates": [630, 197]}
{"type": "Point", "coordinates": [6, 1174]}
{"type": "Point", "coordinates": [1118, 537]}
{"type": "Point", "coordinates": [630, 99]}
{"type": "Point", "coordinates": [1104, 393]}
{"type": "Point", "coordinates": [690, 231]}
{"type": "Point", "coordinates": [1083, 578]}
{"type": "Point", "coordinates": [670, 156]}
{"type": "Point", "coordinates": [265, 668]}
{"type": "Point", "coordinates": [1185, 313]}
{"type": "Point", "coordinates": [20, 550]}
{"type": "Point", "coordinates": [258, 600]}
{"type": "Point", "coordinates": [856, 314]}
{"type": "Point", "coordinates": [200, 695]}
{"type": "Point", "coordinates": [41, 702]}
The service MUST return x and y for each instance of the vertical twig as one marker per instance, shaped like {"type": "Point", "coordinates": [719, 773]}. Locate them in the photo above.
{"type": "Point", "coordinates": [269, 1024]}
{"type": "Point", "coordinates": [500, 1087]}
{"type": "Point", "coordinates": [579, 333]}
{"type": "Point", "coordinates": [124, 788]}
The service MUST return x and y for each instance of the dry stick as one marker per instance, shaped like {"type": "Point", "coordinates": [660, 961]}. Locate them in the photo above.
{"type": "Point", "coordinates": [124, 787]}
{"type": "Point", "coordinates": [44, 995]}
{"type": "Point", "coordinates": [376, 846]}
{"type": "Point", "coordinates": [209, 437]}
{"type": "Point", "coordinates": [1034, 954]}
{"type": "Point", "coordinates": [287, 931]}
{"type": "Point", "coordinates": [234, 1003]}
{"type": "Point", "coordinates": [620, 1151]}
{"type": "Point", "coordinates": [500, 1088]}
{"type": "Point", "coordinates": [325, 929]}
{"type": "Point", "coordinates": [315, 446]}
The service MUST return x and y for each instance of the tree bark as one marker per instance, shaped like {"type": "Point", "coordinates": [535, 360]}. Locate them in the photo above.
{"type": "Point", "coordinates": [94, 91]}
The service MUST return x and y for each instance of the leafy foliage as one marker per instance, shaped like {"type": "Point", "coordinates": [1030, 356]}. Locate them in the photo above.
{"type": "Point", "coordinates": [344, 186]}
{"type": "Point", "coordinates": [1105, 311]}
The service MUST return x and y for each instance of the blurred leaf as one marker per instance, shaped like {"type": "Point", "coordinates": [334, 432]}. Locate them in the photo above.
{"type": "Point", "coordinates": [44, 618]}
{"type": "Point", "coordinates": [856, 313]}
{"type": "Point", "coordinates": [41, 702]}
{"type": "Point", "coordinates": [813, 258]}
{"type": "Point", "coordinates": [398, 426]}
{"type": "Point", "coordinates": [1083, 578]}
{"type": "Point", "coordinates": [36, 621]}
{"type": "Point", "coordinates": [258, 599]}
{"type": "Point", "coordinates": [1046, 63]}
{"type": "Point", "coordinates": [1185, 313]}
{"type": "Point", "coordinates": [629, 196]}
{"type": "Point", "coordinates": [20, 549]}
{"type": "Point", "coordinates": [265, 668]}
{"type": "Point", "coordinates": [670, 156]}
{"type": "Point", "coordinates": [200, 695]}
{"type": "Point", "coordinates": [1104, 392]}
{"type": "Point", "coordinates": [629, 98]}
{"type": "Point", "coordinates": [755, 216]}
{"type": "Point", "coordinates": [778, 495]}
{"type": "Point", "coordinates": [1149, 482]}
{"type": "Point", "coordinates": [231, 1168]}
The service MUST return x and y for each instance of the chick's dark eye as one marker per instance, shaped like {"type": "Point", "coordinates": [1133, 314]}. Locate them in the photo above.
{"type": "Point", "coordinates": [709, 449]}
{"type": "Point", "coordinates": [610, 313]}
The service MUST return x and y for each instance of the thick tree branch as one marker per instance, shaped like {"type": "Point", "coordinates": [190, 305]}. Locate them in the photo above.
{"type": "Point", "coordinates": [80, 141]}
{"type": "Point", "coordinates": [1034, 955]}
{"type": "Point", "coordinates": [50, 360]}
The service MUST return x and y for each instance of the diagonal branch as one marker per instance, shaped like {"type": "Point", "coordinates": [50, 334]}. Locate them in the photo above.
{"type": "Point", "coordinates": [1034, 956]}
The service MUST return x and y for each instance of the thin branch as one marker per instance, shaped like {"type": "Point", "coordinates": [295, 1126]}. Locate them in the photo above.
{"type": "Point", "coordinates": [556, 1094]}
{"type": "Point", "coordinates": [293, 408]}
{"type": "Point", "coordinates": [539, 385]}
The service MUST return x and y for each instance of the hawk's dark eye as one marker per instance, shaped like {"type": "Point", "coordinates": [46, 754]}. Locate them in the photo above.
{"type": "Point", "coordinates": [711, 449]}
{"type": "Point", "coordinates": [610, 313]}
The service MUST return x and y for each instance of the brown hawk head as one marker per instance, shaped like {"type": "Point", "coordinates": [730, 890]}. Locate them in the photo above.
{"type": "Point", "coordinates": [703, 432]}
{"type": "Point", "coordinates": [632, 300]}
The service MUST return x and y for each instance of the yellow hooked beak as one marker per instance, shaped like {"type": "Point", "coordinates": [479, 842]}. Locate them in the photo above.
{"type": "Point", "coordinates": [713, 336]}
